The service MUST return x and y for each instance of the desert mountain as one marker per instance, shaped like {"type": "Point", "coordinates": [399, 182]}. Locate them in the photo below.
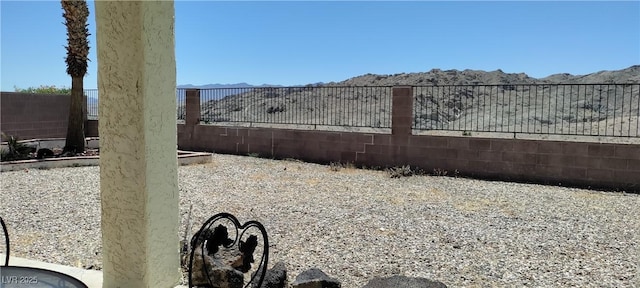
{"type": "Point", "coordinates": [473, 77]}
{"type": "Point", "coordinates": [456, 77]}
{"type": "Point", "coordinates": [214, 86]}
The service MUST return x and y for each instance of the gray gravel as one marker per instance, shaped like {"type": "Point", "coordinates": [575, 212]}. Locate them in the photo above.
{"type": "Point", "coordinates": [357, 224]}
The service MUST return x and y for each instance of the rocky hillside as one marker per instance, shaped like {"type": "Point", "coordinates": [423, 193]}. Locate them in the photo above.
{"type": "Point", "coordinates": [474, 77]}
{"type": "Point", "coordinates": [489, 101]}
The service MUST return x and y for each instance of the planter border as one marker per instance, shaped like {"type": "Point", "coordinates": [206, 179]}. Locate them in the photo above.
{"type": "Point", "coordinates": [184, 157]}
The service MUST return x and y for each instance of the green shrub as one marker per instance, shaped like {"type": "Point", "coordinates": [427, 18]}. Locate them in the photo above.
{"type": "Point", "coordinates": [44, 89]}
{"type": "Point", "coordinates": [335, 166]}
{"type": "Point", "coordinates": [15, 150]}
{"type": "Point", "coordinates": [397, 172]}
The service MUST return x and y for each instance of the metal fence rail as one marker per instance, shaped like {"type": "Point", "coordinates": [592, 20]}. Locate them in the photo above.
{"type": "Point", "coordinates": [181, 101]}
{"type": "Point", "coordinates": [92, 103]}
{"type": "Point", "coordinates": [563, 109]}
{"type": "Point", "coordinates": [318, 105]}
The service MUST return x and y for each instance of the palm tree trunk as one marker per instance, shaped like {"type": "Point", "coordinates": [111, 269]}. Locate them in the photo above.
{"type": "Point", "coordinates": [75, 129]}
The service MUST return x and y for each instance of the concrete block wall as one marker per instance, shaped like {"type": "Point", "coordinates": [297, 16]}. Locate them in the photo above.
{"type": "Point", "coordinates": [598, 165]}
{"type": "Point", "coordinates": [595, 165]}
{"type": "Point", "coordinates": [583, 164]}
{"type": "Point", "coordinates": [29, 116]}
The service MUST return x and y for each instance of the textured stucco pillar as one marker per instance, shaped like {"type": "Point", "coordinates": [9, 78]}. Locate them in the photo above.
{"type": "Point", "coordinates": [138, 162]}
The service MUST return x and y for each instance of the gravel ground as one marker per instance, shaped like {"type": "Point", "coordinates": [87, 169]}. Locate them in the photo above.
{"type": "Point", "coordinates": [357, 224]}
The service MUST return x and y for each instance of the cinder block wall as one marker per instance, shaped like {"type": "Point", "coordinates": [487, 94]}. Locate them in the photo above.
{"type": "Point", "coordinates": [91, 128]}
{"type": "Point", "coordinates": [612, 166]}
{"type": "Point", "coordinates": [29, 116]}
{"type": "Point", "coordinates": [597, 165]}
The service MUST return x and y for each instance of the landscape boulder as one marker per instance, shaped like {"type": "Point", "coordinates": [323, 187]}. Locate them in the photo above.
{"type": "Point", "coordinates": [217, 261]}
{"type": "Point", "coordinates": [275, 277]}
{"type": "Point", "coordinates": [218, 268]}
{"type": "Point", "coordinates": [315, 278]}
{"type": "Point", "coordinates": [403, 282]}
{"type": "Point", "coordinates": [226, 277]}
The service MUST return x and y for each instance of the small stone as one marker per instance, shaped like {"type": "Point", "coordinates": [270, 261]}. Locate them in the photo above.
{"type": "Point", "coordinates": [315, 278]}
{"type": "Point", "coordinates": [403, 282]}
{"type": "Point", "coordinates": [275, 277]}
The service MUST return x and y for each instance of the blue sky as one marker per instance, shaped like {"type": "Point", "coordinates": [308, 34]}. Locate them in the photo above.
{"type": "Point", "coordinates": [295, 42]}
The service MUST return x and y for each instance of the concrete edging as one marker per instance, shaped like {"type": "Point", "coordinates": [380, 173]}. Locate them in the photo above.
{"type": "Point", "coordinates": [184, 157]}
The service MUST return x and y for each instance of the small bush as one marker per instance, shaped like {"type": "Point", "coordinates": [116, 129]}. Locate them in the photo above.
{"type": "Point", "coordinates": [44, 89]}
{"type": "Point", "coordinates": [276, 109]}
{"type": "Point", "coordinates": [403, 171]}
{"type": "Point", "coordinates": [16, 150]}
{"type": "Point", "coordinates": [440, 172]}
{"type": "Point", "coordinates": [4, 154]}
{"type": "Point", "coordinates": [335, 166]}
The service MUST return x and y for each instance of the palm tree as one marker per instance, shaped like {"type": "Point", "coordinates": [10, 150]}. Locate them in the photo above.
{"type": "Point", "coordinates": [75, 15]}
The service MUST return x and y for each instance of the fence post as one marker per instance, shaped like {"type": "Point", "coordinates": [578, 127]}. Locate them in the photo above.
{"type": "Point", "coordinates": [192, 109]}
{"type": "Point", "coordinates": [402, 110]}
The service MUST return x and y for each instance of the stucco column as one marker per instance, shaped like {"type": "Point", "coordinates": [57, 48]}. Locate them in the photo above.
{"type": "Point", "coordinates": [138, 162]}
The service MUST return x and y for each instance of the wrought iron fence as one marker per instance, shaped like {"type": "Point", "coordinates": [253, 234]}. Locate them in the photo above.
{"type": "Point", "coordinates": [561, 109]}
{"type": "Point", "coordinates": [564, 109]}
{"type": "Point", "coordinates": [181, 101]}
{"type": "Point", "coordinates": [92, 103]}
{"type": "Point", "coordinates": [309, 105]}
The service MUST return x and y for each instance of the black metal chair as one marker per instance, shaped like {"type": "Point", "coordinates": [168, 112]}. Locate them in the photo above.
{"type": "Point", "coordinates": [211, 237]}
{"type": "Point", "coordinates": [6, 241]}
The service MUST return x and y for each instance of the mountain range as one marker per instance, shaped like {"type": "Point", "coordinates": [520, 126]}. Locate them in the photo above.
{"type": "Point", "coordinates": [434, 77]}
{"type": "Point", "coordinates": [237, 85]}
{"type": "Point", "coordinates": [457, 77]}
{"type": "Point", "coordinates": [213, 86]}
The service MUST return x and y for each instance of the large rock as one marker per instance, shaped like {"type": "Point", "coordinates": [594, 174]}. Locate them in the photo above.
{"type": "Point", "coordinates": [214, 260]}
{"type": "Point", "coordinates": [403, 282]}
{"type": "Point", "coordinates": [226, 277]}
{"type": "Point", "coordinates": [315, 278]}
{"type": "Point", "coordinates": [200, 261]}
{"type": "Point", "coordinates": [220, 270]}
{"type": "Point", "coordinates": [275, 277]}
{"type": "Point", "coordinates": [231, 257]}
